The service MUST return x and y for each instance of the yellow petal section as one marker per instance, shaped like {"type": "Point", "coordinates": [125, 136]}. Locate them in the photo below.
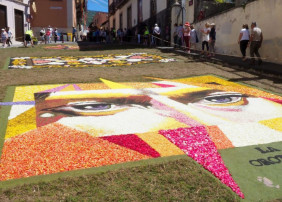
{"type": "Point", "coordinates": [162, 145]}
{"type": "Point", "coordinates": [169, 123]}
{"type": "Point", "coordinates": [180, 92]}
{"type": "Point", "coordinates": [26, 93]}
{"type": "Point", "coordinates": [114, 85]}
{"type": "Point", "coordinates": [21, 124]}
{"type": "Point", "coordinates": [275, 123]}
{"type": "Point", "coordinates": [69, 88]}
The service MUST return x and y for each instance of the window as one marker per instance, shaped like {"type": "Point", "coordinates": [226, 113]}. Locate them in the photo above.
{"type": "Point", "coordinates": [153, 7]}
{"type": "Point", "coordinates": [129, 18]}
{"type": "Point", "coordinates": [140, 12]}
{"type": "Point", "coordinates": [120, 21]}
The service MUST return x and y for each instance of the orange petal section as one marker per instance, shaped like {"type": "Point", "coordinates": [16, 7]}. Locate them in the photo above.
{"type": "Point", "coordinates": [219, 138]}
{"type": "Point", "coordinates": [56, 148]}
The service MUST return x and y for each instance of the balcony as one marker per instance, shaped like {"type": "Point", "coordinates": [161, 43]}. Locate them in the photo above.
{"type": "Point", "coordinates": [112, 8]}
{"type": "Point", "coordinates": [120, 3]}
{"type": "Point", "coordinates": [116, 5]}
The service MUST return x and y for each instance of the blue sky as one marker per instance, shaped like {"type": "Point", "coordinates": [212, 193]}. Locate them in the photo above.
{"type": "Point", "coordinates": [98, 5]}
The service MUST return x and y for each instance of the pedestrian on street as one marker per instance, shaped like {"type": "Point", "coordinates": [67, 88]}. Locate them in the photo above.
{"type": "Point", "coordinates": [10, 36]}
{"type": "Point", "coordinates": [205, 38]}
{"type": "Point", "coordinates": [74, 34]}
{"type": "Point", "coordinates": [212, 38]}
{"type": "Point", "coordinates": [180, 34]}
{"type": "Point", "coordinates": [186, 35]}
{"type": "Point", "coordinates": [157, 34]}
{"type": "Point", "coordinates": [255, 43]}
{"type": "Point", "coordinates": [47, 35]}
{"type": "Point", "coordinates": [4, 37]}
{"type": "Point", "coordinates": [193, 38]}
{"type": "Point", "coordinates": [146, 36]}
{"type": "Point", "coordinates": [243, 40]}
{"type": "Point", "coordinates": [42, 35]}
{"type": "Point", "coordinates": [55, 35]}
{"type": "Point", "coordinates": [51, 34]}
{"type": "Point", "coordinates": [175, 36]}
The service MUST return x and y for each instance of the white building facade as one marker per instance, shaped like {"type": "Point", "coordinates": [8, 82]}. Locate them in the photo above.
{"type": "Point", "coordinates": [266, 13]}
{"type": "Point", "coordinates": [135, 14]}
{"type": "Point", "coordinates": [16, 15]}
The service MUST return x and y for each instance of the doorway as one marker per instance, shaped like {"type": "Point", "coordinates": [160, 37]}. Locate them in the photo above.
{"type": "Point", "coordinates": [19, 25]}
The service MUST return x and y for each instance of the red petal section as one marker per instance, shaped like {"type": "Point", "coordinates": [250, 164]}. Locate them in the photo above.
{"type": "Point", "coordinates": [196, 143]}
{"type": "Point", "coordinates": [133, 142]}
{"type": "Point", "coordinates": [273, 99]}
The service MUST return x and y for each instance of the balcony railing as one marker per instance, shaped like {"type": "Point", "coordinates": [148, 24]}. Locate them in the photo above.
{"type": "Point", "coordinates": [116, 4]}
{"type": "Point", "coordinates": [120, 3]}
{"type": "Point", "coordinates": [112, 8]}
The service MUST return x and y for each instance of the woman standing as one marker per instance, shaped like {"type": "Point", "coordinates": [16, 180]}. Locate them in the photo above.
{"type": "Point", "coordinates": [193, 38]}
{"type": "Point", "coordinates": [186, 35]}
{"type": "Point", "coordinates": [4, 37]}
{"type": "Point", "coordinates": [243, 40]}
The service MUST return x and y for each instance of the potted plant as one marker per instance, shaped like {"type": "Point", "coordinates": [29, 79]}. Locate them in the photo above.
{"type": "Point", "coordinates": [35, 40]}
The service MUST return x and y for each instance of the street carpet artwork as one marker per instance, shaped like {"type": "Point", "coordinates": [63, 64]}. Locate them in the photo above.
{"type": "Point", "coordinates": [232, 130]}
{"type": "Point", "coordinates": [62, 47]}
{"type": "Point", "coordinates": [86, 61]}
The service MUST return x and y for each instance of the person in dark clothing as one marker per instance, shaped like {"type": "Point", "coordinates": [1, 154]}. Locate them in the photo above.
{"type": "Point", "coordinates": [212, 40]}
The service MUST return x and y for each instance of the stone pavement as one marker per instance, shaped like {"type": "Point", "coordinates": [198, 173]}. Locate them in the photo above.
{"type": "Point", "coordinates": [233, 61]}
{"type": "Point", "coordinates": [20, 44]}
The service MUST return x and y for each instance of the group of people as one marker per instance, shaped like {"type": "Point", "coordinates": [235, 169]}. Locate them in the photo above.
{"type": "Point", "coordinates": [251, 39]}
{"type": "Point", "coordinates": [6, 37]}
{"type": "Point", "coordinates": [188, 36]}
{"type": "Point", "coordinates": [47, 34]}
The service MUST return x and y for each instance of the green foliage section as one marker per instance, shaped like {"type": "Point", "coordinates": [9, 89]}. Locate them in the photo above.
{"type": "Point", "coordinates": [256, 169]}
{"type": "Point", "coordinates": [180, 180]}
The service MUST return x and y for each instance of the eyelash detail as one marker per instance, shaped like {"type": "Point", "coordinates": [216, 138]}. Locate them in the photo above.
{"type": "Point", "coordinates": [226, 98]}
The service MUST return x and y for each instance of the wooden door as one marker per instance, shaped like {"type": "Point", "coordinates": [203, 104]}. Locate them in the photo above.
{"type": "Point", "coordinates": [3, 17]}
{"type": "Point", "coordinates": [19, 25]}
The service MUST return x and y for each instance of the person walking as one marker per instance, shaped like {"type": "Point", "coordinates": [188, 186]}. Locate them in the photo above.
{"type": "Point", "coordinates": [255, 43]}
{"type": "Point", "coordinates": [10, 35]}
{"type": "Point", "coordinates": [74, 34]}
{"type": "Point", "coordinates": [4, 37]}
{"type": "Point", "coordinates": [175, 36]}
{"type": "Point", "coordinates": [243, 40]}
{"type": "Point", "coordinates": [55, 35]}
{"type": "Point", "coordinates": [180, 35]}
{"type": "Point", "coordinates": [193, 38]}
{"type": "Point", "coordinates": [157, 34]}
{"type": "Point", "coordinates": [146, 36]}
{"type": "Point", "coordinates": [212, 38]}
{"type": "Point", "coordinates": [51, 34]}
{"type": "Point", "coordinates": [205, 38]}
{"type": "Point", "coordinates": [42, 35]}
{"type": "Point", "coordinates": [186, 36]}
{"type": "Point", "coordinates": [47, 35]}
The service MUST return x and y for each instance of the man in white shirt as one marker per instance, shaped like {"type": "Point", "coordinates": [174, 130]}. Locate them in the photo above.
{"type": "Point", "coordinates": [157, 34]}
{"type": "Point", "coordinates": [51, 33]}
{"type": "Point", "coordinates": [256, 41]}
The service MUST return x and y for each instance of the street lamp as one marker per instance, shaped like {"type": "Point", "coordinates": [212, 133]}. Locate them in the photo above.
{"type": "Point", "coordinates": [181, 9]}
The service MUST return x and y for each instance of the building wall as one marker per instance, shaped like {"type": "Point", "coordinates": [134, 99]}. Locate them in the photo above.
{"type": "Point", "coordinates": [11, 6]}
{"type": "Point", "coordinates": [161, 6]}
{"type": "Point", "coordinates": [99, 18]}
{"type": "Point", "coordinates": [57, 14]}
{"type": "Point", "coordinates": [228, 25]}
